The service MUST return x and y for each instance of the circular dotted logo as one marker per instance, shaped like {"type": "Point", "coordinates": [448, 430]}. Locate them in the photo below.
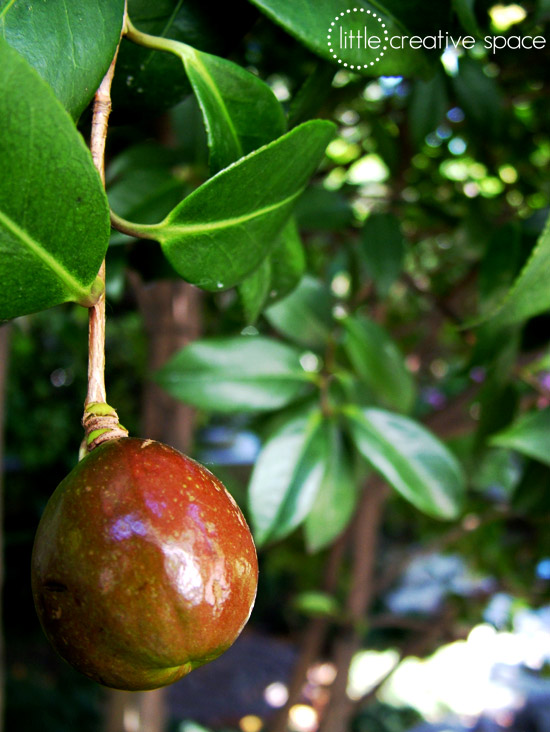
{"type": "Point", "coordinates": [357, 38]}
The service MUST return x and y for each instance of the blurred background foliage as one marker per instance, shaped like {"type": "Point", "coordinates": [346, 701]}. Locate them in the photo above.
{"type": "Point", "coordinates": [429, 202]}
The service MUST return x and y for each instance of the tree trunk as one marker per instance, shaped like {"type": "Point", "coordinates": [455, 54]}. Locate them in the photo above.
{"type": "Point", "coordinates": [366, 527]}
{"type": "Point", "coordinates": [313, 637]}
{"type": "Point", "coordinates": [172, 318]}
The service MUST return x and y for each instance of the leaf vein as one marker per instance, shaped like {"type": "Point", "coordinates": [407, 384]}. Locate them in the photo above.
{"type": "Point", "coordinates": [68, 280]}
{"type": "Point", "coordinates": [223, 224]}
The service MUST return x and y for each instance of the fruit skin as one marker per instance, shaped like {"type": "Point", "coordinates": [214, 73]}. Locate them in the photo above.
{"type": "Point", "coordinates": [143, 567]}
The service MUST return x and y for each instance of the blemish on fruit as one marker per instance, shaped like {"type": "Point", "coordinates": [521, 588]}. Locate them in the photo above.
{"type": "Point", "coordinates": [54, 586]}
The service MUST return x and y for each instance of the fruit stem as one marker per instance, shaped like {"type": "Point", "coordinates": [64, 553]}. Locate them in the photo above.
{"type": "Point", "coordinates": [96, 393]}
{"type": "Point", "coordinates": [96, 319]}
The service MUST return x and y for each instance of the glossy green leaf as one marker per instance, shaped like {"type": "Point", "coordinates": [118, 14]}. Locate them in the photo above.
{"type": "Point", "coordinates": [278, 274]}
{"type": "Point", "coordinates": [530, 293]}
{"type": "Point", "coordinates": [286, 478]}
{"type": "Point", "coordinates": [254, 291]}
{"type": "Point", "coordinates": [54, 218]}
{"type": "Point", "coordinates": [413, 16]}
{"type": "Point", "coordinates": [305, 316]}
{"type": "Point", "coordinates": [155, 80]}
{"type": "Point", "coordinates": [336, 497]}
{"type": "Point", "coordinates": [382, 250]}
{"type": "Point", "coordinates": [378, 362]}
{"type": "Point", "coordinates": [410, 458]}
{"type": "Point", "coordinates": [43, 32]}
{"type": "Point", "coordinates": [309, 23]}
{"type": "Point", "coordinates": [241, 112]}
{"type": "Point", "coordinates": [529, 435]}
{"type": "Point", "coordinates": [241, 374]}
{"type": "Point", "coordinates": [288, 262]}
{"type": "Point", "coordinates": [224, 229]}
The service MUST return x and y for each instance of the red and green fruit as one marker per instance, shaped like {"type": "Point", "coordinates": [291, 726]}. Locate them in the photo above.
{"type": "Point", "coordinates": [143, 566]}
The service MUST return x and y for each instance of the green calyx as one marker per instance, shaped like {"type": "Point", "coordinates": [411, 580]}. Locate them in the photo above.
{"type": "Point", "coordinates": [100, 409]}
{"type": "Point", "coordinates": [94, 434]}
{"type": "Point", "coordinates": [101, 424]}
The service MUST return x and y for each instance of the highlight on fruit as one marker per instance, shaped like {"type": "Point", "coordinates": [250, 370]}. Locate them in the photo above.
{"type": "Point", "coordinates": [143, 566]}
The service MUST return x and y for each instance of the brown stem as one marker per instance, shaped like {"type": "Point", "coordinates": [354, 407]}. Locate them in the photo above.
{"type": "Point", "coordinates": [96, 348]}
{"type": "Point", "coordinates": [96, 320]}
{"type": "Point", "coordinates": [365, 532]}
{"type": "Point", "coordinates": [313, 638]}
{"type": "Point", "coordinates": [100, 421]}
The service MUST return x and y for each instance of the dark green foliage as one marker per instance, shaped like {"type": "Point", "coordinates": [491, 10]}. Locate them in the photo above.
{"type": "Point", "coordinates": [44, 33]}
{"type": "Point", "coordinates": [53, 217]}
{"type": "Point", "coordinates": [395, 290]}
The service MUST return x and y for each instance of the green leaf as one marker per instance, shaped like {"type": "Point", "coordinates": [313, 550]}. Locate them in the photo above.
{"type": "Point", "coordinates": [531, 495]}
{"type": "Point", "coordinates": [530, 435]}
{"type": "Point", "coordinates": [255, 290]}
{"type": "Point", "coordinates": [286, 478]}
{"type": "Point", "coordinates": [54, 218]}
{"type": "Point", "coordinates": [155, 80]}
{"type": "Point", "coordinates": [479, 96]}
{"type": "Point", "coordinates": [224, 229]}
{"type": "Point", "coordinates": [382, 250]}
{"type": "Point", "coordinates": [305, 316]}
{"type": "Point", "coordinates": [278, 274]}
{"type": "Point", "coordinates": [499, 265]}
{"type": "Point", "coordinates": [241, 113]}
{"type": "Point", "coordinates": [427, 108]}
{"type": "Point", "coordinates": [466, 14]}
{"type": "Point", "coordinates": [310, 97]}
{"type": "Point", "coordinates": [309, 23]}
{"type": "Point", "coordinates": [241, 374]}
{"type": "Point", "coordinates": [288, 262]}
{"type": "Point", "coordinates": [530, 293]}
{"type": "Point", "coordinates": [142, 186]}
{"type": "Point", "coordinates": [336, 497]}
{"type": "Point", "coordinates": [379, 363]}
{"type": "Point", "coordinates": [320, 208]}
{"type": "Point", "coordinates": [500, 469]}
{"type": "Point", "coordinates": [317, 605]}
{"type": "Point", "coordinates": [70, 44]}
{"type": "Point", "coordinates": [410, 458]}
